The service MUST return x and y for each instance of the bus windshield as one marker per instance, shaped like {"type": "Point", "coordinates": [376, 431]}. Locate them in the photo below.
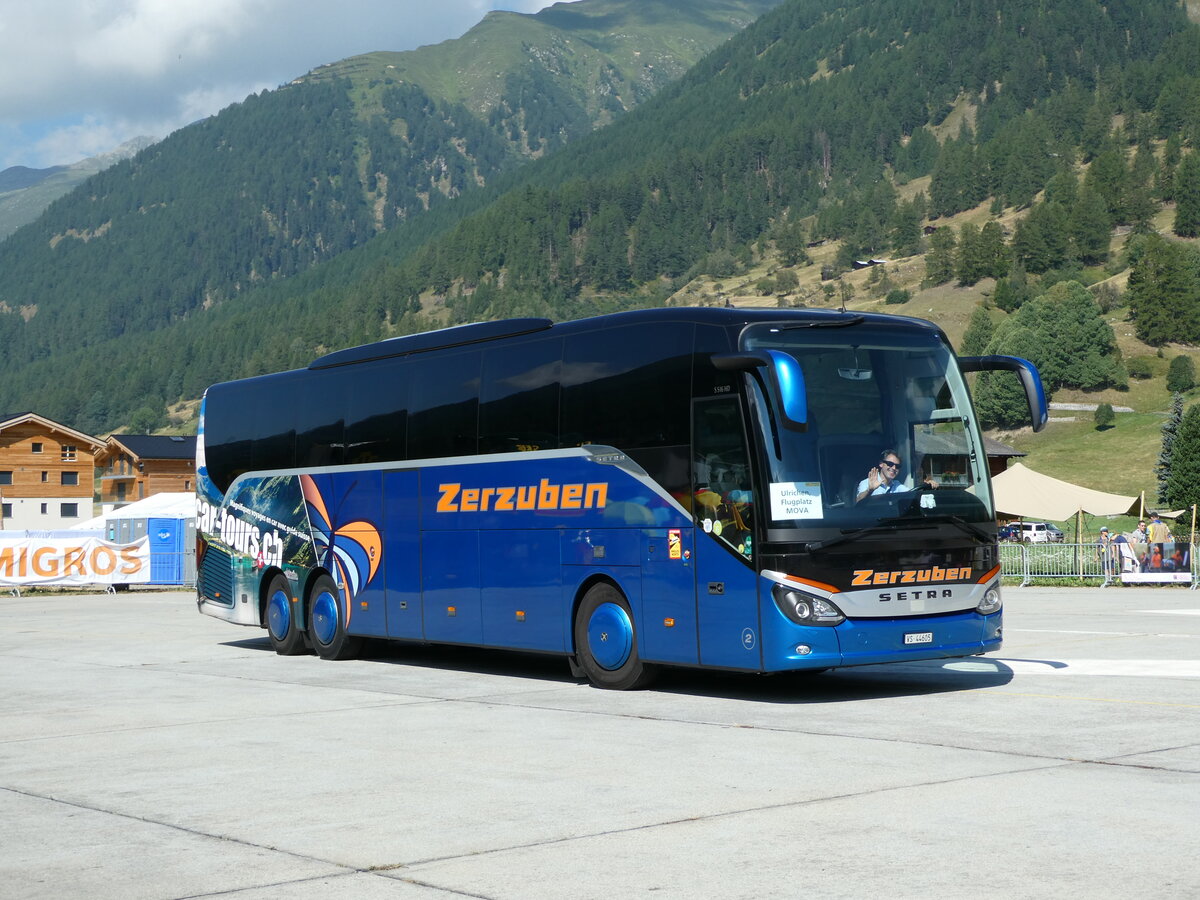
{"type": "Point", "coordinates": [890, 434]}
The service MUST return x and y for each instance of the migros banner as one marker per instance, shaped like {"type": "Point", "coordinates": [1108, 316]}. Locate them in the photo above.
{"type": "Point", "coordinates": [66, 561]}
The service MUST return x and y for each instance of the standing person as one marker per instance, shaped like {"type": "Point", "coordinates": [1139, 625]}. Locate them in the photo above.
{"type": "Point", "coordinates": [1139, 535]}
{"type": "Point", "coordinates": [1159, 534]}
{"type": "Point", "coordinates": [1104, 549]}
{"type": "Point", "coordinates": [886, 478]}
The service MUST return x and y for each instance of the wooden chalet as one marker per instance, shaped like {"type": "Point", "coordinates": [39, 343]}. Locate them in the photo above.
{"type": "Point", "coordinates": [46, 473]}
{"type": "Point", "coordinates": [136, 466]}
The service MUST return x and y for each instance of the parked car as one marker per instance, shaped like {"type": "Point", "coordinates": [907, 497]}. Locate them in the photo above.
{"type": "Point", "coordinates": [1038, 533]}
{"type": "Point", "coordinates": [1010, 532]}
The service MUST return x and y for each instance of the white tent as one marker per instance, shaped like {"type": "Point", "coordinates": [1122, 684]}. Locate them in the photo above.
{"type": "Point", "coordinates": [167, 505]}
{"type": "Point", "coordinates": [1022, 492]}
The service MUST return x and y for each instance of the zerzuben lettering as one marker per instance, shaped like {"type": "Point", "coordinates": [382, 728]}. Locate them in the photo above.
{"type": "Point", "coordinates": [872, 578]}
{"type": "Point", "coordinates": [543, 495]}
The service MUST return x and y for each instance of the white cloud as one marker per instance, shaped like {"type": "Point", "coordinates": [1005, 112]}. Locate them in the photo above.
{"type": "Point", "coordinates": [80, 76]}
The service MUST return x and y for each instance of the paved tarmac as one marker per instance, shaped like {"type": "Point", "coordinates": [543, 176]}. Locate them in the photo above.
{"type": "Point", "coordinates": [147, 751]}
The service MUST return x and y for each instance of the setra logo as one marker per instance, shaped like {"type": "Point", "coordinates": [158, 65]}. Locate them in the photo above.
{"type": "Point", "coordinates": [544, 495]}
{"type": "Point", "coordinates": [870, 577]}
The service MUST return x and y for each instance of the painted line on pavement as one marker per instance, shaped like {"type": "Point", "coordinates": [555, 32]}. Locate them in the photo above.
{"type": "Point", "coordinates": [1124, 668]}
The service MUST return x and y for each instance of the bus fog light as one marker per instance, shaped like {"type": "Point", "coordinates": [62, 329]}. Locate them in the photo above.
{"type": "Point", "coordinates": [990, 602]}
{"type": "Point", "coordinates": [803, 649]}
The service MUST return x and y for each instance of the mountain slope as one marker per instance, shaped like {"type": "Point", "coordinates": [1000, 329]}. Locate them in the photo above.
{"type": "Point", "coordinates": [25, 193]}
{"type": "Point", "coordinates": [817, 109]}
{"type": "Point", "coordinates": [290, 178]}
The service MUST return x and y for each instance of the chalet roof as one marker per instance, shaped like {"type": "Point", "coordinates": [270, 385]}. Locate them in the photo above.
{"type": "Point", "coordinates": [995, 448]}
{"type": "Point", "coordinates": [7, 420]}
{"type": "Point", "coordinates": [157, 446]}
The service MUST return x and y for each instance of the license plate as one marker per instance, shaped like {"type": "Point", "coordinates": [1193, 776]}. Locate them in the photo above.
{"type": "Point", "coordinates": [919, 637]}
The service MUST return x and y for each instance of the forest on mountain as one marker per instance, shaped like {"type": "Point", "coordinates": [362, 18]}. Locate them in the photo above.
{"type": "Point", "coordinates": [1081, 117]}
{"type": "Point", "coordinates": [291, 178]}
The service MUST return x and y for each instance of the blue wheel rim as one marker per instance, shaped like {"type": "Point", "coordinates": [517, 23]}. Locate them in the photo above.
{"type": "Point", "coordinates": [610, 636]}
{"type": "Point", "coordinates": [324, 617]}
{"type": "Point", "coordinates": [279, 615]}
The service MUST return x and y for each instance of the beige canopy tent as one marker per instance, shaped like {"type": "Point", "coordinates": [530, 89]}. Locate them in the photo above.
{"type": "Point", "coordinates": [1027, 494]}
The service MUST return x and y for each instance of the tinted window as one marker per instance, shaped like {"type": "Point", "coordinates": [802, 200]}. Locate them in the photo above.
{"type": "Point", "coordinates": [708, 381]}
{"type": "Point", "coordinates": [318, 405]}
{"type": "Point", "coordinates": [519, 397]}
{"type": "Point", "coordinates": [376, 424]}
{"type": "Point", "coordinates": [444, 405]}
{"type": "Point", "coordinates": [628, 387]}
{"type": "Point", "coordinates": [274, 444]}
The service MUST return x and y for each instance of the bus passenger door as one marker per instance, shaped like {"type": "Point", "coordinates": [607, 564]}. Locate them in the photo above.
{"type": "Point", "coordinates": [723, 508]}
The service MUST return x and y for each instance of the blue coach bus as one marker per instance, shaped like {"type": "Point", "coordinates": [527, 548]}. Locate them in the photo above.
{"type": "Point", "coordinates": [663, 487]}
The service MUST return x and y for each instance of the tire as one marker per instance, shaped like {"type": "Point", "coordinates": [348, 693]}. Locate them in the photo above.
{"type": "Point", "coordinates": [606, 641]}
{"type": "Point", "coordinates": [327, 622]}
{"type": "Point", "coordinates": [280, 618]}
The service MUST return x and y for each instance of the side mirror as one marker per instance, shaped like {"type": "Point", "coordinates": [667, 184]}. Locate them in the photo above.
{"type": "Point", "coordinates": [783, 377]}
{"type": "Point", "coordinates": [1031, 381]}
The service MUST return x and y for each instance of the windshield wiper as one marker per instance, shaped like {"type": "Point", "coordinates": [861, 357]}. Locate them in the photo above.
{"type": "Point", "coordinates": [960, 523]}
{"type": "Point", "coordinates": [882, 528]}
{"type": "Point", "coordinates": [903, 523]}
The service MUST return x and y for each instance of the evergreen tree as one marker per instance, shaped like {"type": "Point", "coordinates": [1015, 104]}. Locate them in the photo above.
{"type": "Point", "coordinates": [993, 253]}
{"type": "Point", "coordinates": [1162, 468]}
{"type": "Point", "coordinates": [1013, 289]}
{"type": "Point", "coordinates": [905, 231]}
{"type": "Point", "coordinates": [978, 334]}
{"type": "Point", "coordinates": [1187, 197]}
{"type": "Point", "coordinates": [1182, 484]}
{"type": "Point", "coordinates": [968, 267]}
{"type": "Point", "coordinates": [1090, 227]}
{"type": "Point", "coordinates": [1164, 291]}
{"type": "Point", "coordinates": [1104, 415]}
{"type": "Point", "coordinates": [939, 261]}
{"type": "Point", "coordinates": [1181, 375]}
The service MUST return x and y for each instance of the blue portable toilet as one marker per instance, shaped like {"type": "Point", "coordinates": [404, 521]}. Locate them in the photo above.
{"type": "Point", "coordinates": [166, 550]}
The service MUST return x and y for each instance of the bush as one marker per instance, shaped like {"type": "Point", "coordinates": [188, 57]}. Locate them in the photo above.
{"type": "Point", "coordinates": [787, 281]}
{"type": "Point", "coordinates": [1104, 415]}
{"type": "Point", "coordinates": [898, 295]}
{"type": "Point", "coordinates": [765, 286]}
{"type": "Point", "coordinates": [1140, 367]}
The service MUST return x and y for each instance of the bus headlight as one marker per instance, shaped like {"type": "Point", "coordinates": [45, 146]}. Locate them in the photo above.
{"type": "Point", "coordinates": [805, 609]}
{"type": "Point", "coordinates": [990, 602]}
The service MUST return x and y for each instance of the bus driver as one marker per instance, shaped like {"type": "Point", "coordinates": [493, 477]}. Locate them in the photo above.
{"type": "Point", "coordinates": [885, 478]}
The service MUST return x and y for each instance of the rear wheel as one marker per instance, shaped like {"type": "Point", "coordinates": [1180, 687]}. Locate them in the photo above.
{"type": "Point", "coordinates": [327, 622]}
{"type": "Point", "coordinates": [606, 642]}
{"type": "Point", "coordinates": [286, 636]}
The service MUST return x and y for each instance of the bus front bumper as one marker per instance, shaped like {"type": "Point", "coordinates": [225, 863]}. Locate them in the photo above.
{"type": "Point", "coordinates": [861, 642]}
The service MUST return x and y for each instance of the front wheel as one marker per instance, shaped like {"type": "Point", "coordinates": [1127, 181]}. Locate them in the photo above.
{"type": "Point", "coordinates": [286, 636]}
{"type": "Point", "coordinates": [606, 641]}
{"type": "Point", "coordinates": [327, 622]}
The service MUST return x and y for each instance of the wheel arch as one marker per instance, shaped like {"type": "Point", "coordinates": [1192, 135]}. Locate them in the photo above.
{"type": "Point", "coordinates": [264, 582]}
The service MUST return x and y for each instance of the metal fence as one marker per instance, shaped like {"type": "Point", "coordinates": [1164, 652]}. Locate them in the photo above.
{"type": "Point", "coordinates": [1085, 563]}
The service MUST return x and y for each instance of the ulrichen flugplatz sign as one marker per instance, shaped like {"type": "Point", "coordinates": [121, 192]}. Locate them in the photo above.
{"type": "Point", "coordinates": [50, 561]}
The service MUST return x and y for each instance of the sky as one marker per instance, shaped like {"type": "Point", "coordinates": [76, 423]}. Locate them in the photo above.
{"type": "Point", "coordinates": [80, 77]}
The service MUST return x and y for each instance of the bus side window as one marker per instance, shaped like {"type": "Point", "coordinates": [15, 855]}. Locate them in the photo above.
{"type": "Point", "coordinates": [723, 493]}
{"type": "Point", "coordinates": [627, 387]}
{"type": "Point", "coordinates": [518, 397]}
{"type": "Point", "coordinates": [443, 415]}
{"type": "Point", "coordinates": [376, 427]}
